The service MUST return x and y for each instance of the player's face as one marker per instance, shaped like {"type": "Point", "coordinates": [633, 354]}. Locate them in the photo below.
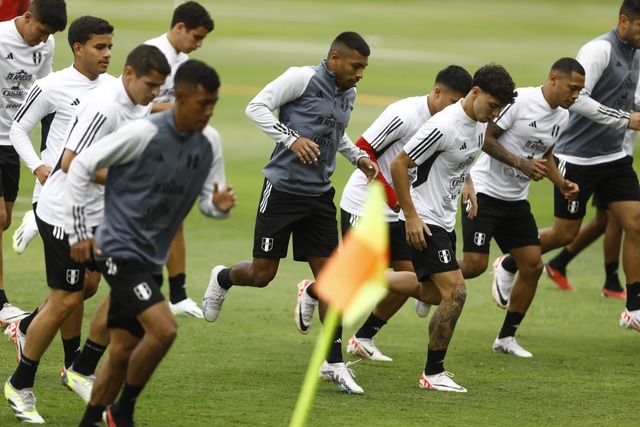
{"type": "Point", "coordinates": [142, 90]}
{"type": "Point", "coordinates": [629, 30]}
{"type": "Point", "coordinates": [567, 89]}
{"type": "Point", "coordinates": [486, 107]}
{"type": "Point", "coordinates": [445, 97]}
{"type": "Point", "coordinates": [191, 40]}
{"type": "Point", "coordinates": [194, 107]}
{"type": "Point", "coordinates": [92, 58]}
{"type": "Point", "coordinates": [35, 32]}
{"type": "Point", "coordinates": [349, 68]}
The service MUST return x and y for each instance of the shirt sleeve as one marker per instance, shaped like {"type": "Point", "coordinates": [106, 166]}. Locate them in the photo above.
{"type": "Point", "coordinates": [216, 175]}
{"type": "Point", "coordinates": [350, 151]}
{"type": "Point", "coordinates": [93, 121]}
{"type": "Point", "coordinates": [286, 88]}
{"type": "Point", "coordinates": [426, 142]}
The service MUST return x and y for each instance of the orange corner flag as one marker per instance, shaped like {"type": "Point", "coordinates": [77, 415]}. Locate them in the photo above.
{"type": "Point", "coordinates": [353, 279]}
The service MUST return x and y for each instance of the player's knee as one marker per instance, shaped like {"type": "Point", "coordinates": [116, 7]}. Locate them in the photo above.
{"type": "Point", "coordinates": [471, 269]}
{"type": "Point", "coordinates": [166, 334]}
{"type": "Point", "coordinates": [531, 269]}
{"type": "Point", "coordinates": [91, 282]}
{"type": "Point", "coordinates": [262, 278]}
{"type": "Point", "coordinates": [5, 221]}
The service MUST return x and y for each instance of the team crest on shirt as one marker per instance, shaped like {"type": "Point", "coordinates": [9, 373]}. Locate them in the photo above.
{"type": "Point", "coordinates": [445, 256]}
{"type": "Point", "coordinates": [479, 238]}
{"type": "Point", "coordinates": [37, 58]}
{"type": "Point", "coordinates": [142, 291]}
{"type": "Point", "coordinates": [573, 206]}
{"type": "Point", "coordinates": [73, 276]}
{"type": "Point", "coordinates": [267, 244]}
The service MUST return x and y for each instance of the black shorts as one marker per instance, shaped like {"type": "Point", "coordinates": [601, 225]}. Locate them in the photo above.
{"type": "Point", "coordinates": [9, 173]}
{"type": "Point", "coordinates": [133, 289]}
{"type": "Point", "coordinates": [612, 182]}
{"type": "Point", "coordinates": [62, 272]}
{"type": "Point", "coordinates": [399, 249]}
{"type": "Point", "coordinates": [438, 257]}
{"type": "Point", "coordinates": [511, 223]}
{"type": "Point", "coordinates": [311, 220]}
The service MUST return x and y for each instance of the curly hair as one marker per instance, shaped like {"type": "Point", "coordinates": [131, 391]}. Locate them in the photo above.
{"type": "Point", "coordinates": [496, 81]}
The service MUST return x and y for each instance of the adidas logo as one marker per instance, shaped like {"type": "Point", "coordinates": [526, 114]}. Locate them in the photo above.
{"type": "Point", "coordinates": [618, 64]}
{"type": "Point", "coordinates": [533, 124]}
{"type": "Point", "coordinates": [463, 146]}
{"type": "Point", "coordinates": [76, 102]}
{"type": "Point", "coordinates": [158, 158]}
{"type": "Point", "coordinates": [10, 56]}
{"type": "Point", "coordinates": [318, 95]}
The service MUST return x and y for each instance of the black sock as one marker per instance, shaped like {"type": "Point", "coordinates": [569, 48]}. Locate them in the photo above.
{"type": "Point", "coordinates": [177, 288]}
{"type": "Point", "coordinates": [89, 357]}
{"type": "Point", "coordinates": [310, 291]}
{"type": "Point", "coordinates": [126, 404]}
{"type": "Point", "coordinates": [560, 261]}
{"type": "Point", "coordinates": [25, 374]}
{"type": "Point", "coordinates": [3, 298]}
{"type": "Point", "coordinates": [509, 264]}
{"type": "Point", "coordinates": [371, 327]}
{"type": "Point", "coordinates": [224, 280]}
{"type": "Point", "coordinates": [435, 361]}
{"type": "Point", "coordinates": [335, 352]}
{"type": "Point", "coordinates": [92, 416]}
{"type": "Point", "coordinates": [510, 326]}
{"type": "Point", "coordinates": [71, 350]}
{"type": "Point", "coordinates": [633, 296]}
{"type": "Point", "coordinates": [23, 325]}
{"type": "Point", "coordinates": [612, 280]}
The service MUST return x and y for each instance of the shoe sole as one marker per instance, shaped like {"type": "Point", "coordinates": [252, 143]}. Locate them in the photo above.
{"type": "Point", "coordinates": [297, 312]}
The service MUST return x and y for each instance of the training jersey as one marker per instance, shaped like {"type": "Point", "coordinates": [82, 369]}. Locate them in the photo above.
{"type": "Point", "coordinates": [52, 100]}
{"type": "Point", "coordinates": [385, 138]}
{"type": "Point", "coordinates": [531, 128]}
{"type": "Point", "coordinates": [309, 104]}
{"type": "Point", "coordinates": [155, 174]}
{"type": "Point", "coordinates": [175, 59]}
{"type": "Point", "coordinates": [20, 65]}
{"type": "Point", "coordinates": [444, 149]}
{"type": "Point", "coordinates": [600, 116]}
{"type": "Point", "coordinates": [102, 111]}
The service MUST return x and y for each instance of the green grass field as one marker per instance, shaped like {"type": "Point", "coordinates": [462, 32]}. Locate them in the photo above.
{"type": "Point", "coordinates": [247, 368]}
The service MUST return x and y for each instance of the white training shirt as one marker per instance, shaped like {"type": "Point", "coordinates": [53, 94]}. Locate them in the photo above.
{"type": "Point", "coordinates": [175, 59]}
{"type": "Point", "coordinates": [20, 65]}
{"type": "Point", "coordinates": [444, 149]}
{"type": "Point", "coordinates": [531, 127]}
{"type": "Point", "coordinates": [387, 135]}
{"type": "Point", "coordinates": [102, 111]}
{"type": "Point", "coordinates": [59, 94]}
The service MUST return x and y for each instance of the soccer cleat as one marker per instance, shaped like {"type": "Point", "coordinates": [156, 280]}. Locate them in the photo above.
{"type": "Point", "coordinates": [214, 296]}
{"type": "Point", "coordinates": [14, 334]}
{"type": "Point", "coordinates": [509, 345]}
{"type": "Point", "coordinates": [80, 384]}
{"type": "Point", "coordinates": [502, 283]}
{"type": "Point", "coordinates": [559, 278]}
{"type": "Point", "coordinates": [23, 404]}
{"type": "Point", "coordinates": [614, 293]}
{"type": "Point", "coordinates": [340, 375]}
{"type": "Point", "coordinates": [365, 347]}
{"type": "Point", "coordinates": [112, 421]}
{"type": "Point", "coordinates": [630, 319]}
{"type": "Point", "coordinates": [10, 314]}
{"type": "Point", "coordinates": [422, 308]}
{"type": "Point", "coordinates": [303, 313]}
{"type": "Point", "coordinates": [25, 233]}
{"type": "Point", "coordinates": [186, 306]}
{"type": "Point", "coordinates": [441, 381]}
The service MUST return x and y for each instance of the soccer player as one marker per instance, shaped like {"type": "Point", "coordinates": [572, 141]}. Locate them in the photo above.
{"type": "Point", "coordinates": [528, 129]}
{"type": "Point", "coordinates": [443, 150]}
{"type": "Point", "coordinates": [314, 104]}
{"type": "Point", "coordinates": [157, 168]}
{"type": "Point", "coordinates": [590, 152]}
{"type": "Point", "coordinates": [101, 112]}
{"type": "Point", "coordinates": [190, 24]}
{"type": "Point", "coordinates": [382, 141]}
{"type": "Point", "coordinates": [26, 53]}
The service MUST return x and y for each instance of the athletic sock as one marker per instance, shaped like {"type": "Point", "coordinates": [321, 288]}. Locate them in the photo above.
{"type": "Point", "coordinates": [310, 291]}
{"type": "Point", "coordinates": [25, 374]}
{"type": "Point", "coordinates": [177, 288]}
{"type": "Point", "coordinates": [3, 298]}
{"type": "Point", "coordinates": [126, 404]}
{"type": "Point", "coordinates": [435, 361]}
{"type": "Point", "coordinates": [71, 350]}
{"type": "Point", "coordinates": [89, 357]}
{"type": "Point", "coordinates": [224, 280]}
{"type": "Point", "coordinates": [509, 264]}
{"type": "Point", "coordinates": [370, 327]}
{"type": "Point", "coordinates": [92, 416]}
{"type": "Point", "coordinates": [612, 281]}
{"type": "Point", "coordinates": [511, 323]}
{"type": "Point", "coordinates": [23, 325]}
{"type": "Point", "coordinates": [633, 296]}
{"type": "Point", "coordinates": [335, 352]}
{"type": "Point", "coordinates": [560, 261]}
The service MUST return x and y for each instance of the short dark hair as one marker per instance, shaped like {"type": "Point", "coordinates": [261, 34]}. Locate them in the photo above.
{"type": "Point", "coordinates": [194, 73]}
{"type": "Point", "coordinates": [630, 9]}
{"type": "Point", "coordinates": [496, 81]}
{"type": "Point", "coordinates": [455, 78]}
{"type": "Point", "coordinates": [568, 66]}
{"type": "Point", "coordinates": [351, 40]}
{"type": "Point", "coordinates": [193, 15]}
{"type": "Point", "coordinates": [145, 58]}
{"type": "Point", "coordinates": [50, 12]}
{"type": "Point", "coordinates": [82, 29]}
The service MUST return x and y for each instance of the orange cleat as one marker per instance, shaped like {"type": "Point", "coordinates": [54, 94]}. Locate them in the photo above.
{"type": "Point", "coordinates": [559, 278]}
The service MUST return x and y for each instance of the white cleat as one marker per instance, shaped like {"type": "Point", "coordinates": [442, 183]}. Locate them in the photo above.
{"type": "Point", "coordinates": [441, 381]}
{"type": "Point", "coordinates": [422, 308]}
{"type": "Point", "coordinates": [509, 345]}
{"type": "Point", "coordinates": [214, 296]}
{"type": "Point", "coordinates": [187, 307]}
{"type": "Point", "coordinates": [26, 232]}
{"type": "Point", "coordinates": [10, 314]}
{"type": "Point", "coordinates": [502, 283]}
{"type": "Point", "coordinates": [23, 404]}
{"type": "Point", "coordinates": [630, 319]}
{"type": "Point", "coordinates": [303, 313]}
{"type": "Point", "coordinates": [366, 348]}
{"type": "Point", "coordinates": [80, 384]}
{"type": "Point", "coordinates": [340, 375]}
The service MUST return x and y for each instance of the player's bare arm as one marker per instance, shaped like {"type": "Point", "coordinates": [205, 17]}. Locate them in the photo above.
{"type": "Point", "coordinates": [568, 188]}
{"type": "Point", "coordinates": [469, 198]}
{"type": "Point", "coordinates": [634, 121]}
{"type": "Point", "coordinates": [305, 150]}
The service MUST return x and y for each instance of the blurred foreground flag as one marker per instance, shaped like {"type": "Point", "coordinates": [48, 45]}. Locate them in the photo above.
{"type": "Point", "coordinates": [353, 280]}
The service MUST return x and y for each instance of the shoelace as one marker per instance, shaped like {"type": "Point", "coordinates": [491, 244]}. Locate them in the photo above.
{"type": "Point", "coordinates": [351, 371]}
{"type": "Point", "coordinates": [29, 400]}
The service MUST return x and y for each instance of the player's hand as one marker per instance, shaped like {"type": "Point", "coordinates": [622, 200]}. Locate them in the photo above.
{"type": "Point", "coordinates": [396, 207]}
{"type": "Point", "coordinates": [369, 168]}
{"type": "Point", "coordinates": [416, 229]}
{"type": "Point", "coordinates": [305, 150]}
{"type": "Point", "coordinates": [470, 204]}
{"type": "Point", "coordinates": [42, 172]}
{"type": "Point", "coordinates": [81, 251]}
{"type": "Point", "coordinates": [534, 168]}
{"type": "Point", "coordinates": [569, 190]}
{"type": "Point", "coordinates": [224, 200]}
{"type": "Point", "coordinates": [634, 121]}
